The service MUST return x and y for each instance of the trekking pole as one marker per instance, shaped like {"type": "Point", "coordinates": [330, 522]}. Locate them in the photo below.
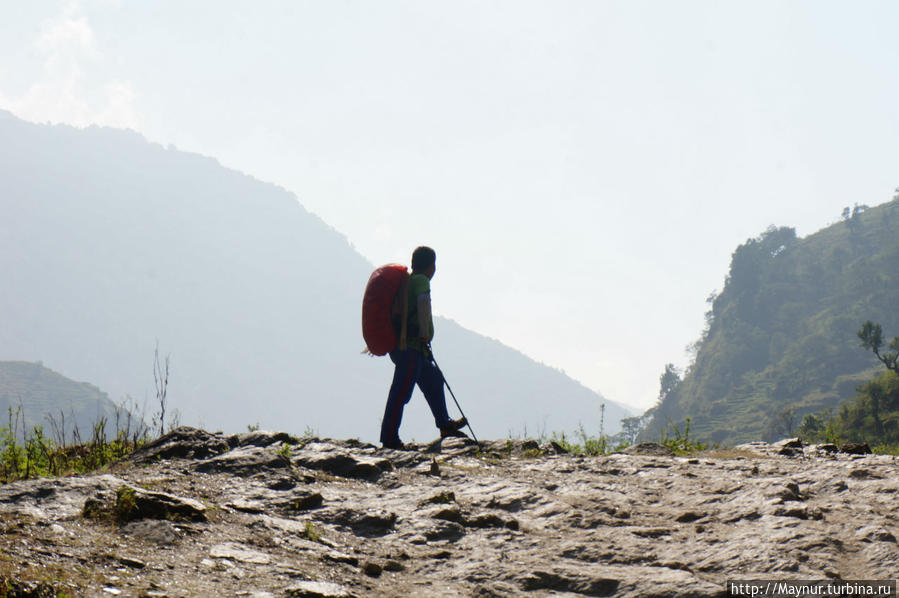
{"type": "Point", "coordinates": [452, 394]}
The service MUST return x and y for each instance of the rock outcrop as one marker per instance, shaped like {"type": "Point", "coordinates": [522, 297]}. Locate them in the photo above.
{"type": "Point", "coordinates": [199, 514]}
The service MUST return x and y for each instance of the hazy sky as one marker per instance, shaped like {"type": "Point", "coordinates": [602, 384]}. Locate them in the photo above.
{"type": "Point", "coordinates": [583, 169]}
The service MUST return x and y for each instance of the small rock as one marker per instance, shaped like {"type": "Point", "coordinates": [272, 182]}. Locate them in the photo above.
{"type": "Point", "coordinates": [799, 512]}
{"type": "Point", "coordinates": [794, 443]}
{"type": "Point", "coordinates": [789, 491]}
{"type": "Point", "coordinates": [283, 483]}
{"type": "Point", "coordinates": [340, 557]}
{"type": "Point", "coordinates": [689, 517]}
{"type": "Point", "coordinates": [365, 523]}
{"type": "Point", "coordinates": [443, 498]}
{"type": "Point", "coordinates": [132, 562]}
{"type": "Point", "coordinates": [651, 532]}
{"type": "Point", "coordinates": [372, 569]}
{"type": "Point", "coordinates": [301, 501]}
{"type": "Point", "coordinates": [485, 520]}
{"type": "Point", "coordinates": [444, 530]}
{"type": "Point", "coordinates": [856, 448]}
{"type": "Point", "coordinates": [246, 506]}
{"type": "Point", "coordinates": [510, 499]}
{"type": "Point", "coordinates": [448, 514]}
{"type": "Point", "coordinates": [554, 448]}
{"type": "Point", "coordinates": [394, 566]}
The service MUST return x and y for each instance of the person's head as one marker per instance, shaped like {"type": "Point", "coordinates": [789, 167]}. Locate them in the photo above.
{"type": "Point", "coordinates": [424, 261]}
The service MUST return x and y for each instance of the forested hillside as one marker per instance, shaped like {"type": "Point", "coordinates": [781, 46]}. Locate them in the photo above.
{"type": "Point", "coordinates": [780, 340]}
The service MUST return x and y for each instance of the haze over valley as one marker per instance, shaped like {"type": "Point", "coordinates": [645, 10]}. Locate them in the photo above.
{"type": "Point", "coordinates": [112, 244]}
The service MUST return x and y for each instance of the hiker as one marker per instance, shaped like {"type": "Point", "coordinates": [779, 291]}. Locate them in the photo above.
{"type": "Point", "coordinates": [412, 358]}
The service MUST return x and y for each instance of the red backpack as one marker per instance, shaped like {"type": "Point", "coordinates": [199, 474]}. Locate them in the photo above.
{"type": "Point", "coordinates": [383, 303]}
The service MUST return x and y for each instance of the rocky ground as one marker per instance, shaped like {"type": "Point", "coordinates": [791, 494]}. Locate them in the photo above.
{"type": "Point", "coordinates": [262, 514]}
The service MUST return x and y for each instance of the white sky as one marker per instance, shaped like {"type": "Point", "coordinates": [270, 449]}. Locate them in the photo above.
{"type": "Point", "coordinates": [583, 169]}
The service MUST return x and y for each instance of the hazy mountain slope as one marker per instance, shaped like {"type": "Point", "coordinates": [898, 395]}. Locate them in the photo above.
{"type": "Point", "coordinates": [782, 333]}
{"type": "Point", "coordinates": [39, 391]}
{"type": "Point", "coordinates": [108, 243]}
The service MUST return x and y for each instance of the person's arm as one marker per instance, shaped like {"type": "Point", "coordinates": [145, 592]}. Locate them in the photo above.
{"type": "Point", "coordinates": [424, 317]}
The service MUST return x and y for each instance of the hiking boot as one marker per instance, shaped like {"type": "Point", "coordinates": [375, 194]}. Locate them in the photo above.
{"type": "Point", "coordinates": [454, 428]}
{"type": "Point", "coordinates": [396, 446]}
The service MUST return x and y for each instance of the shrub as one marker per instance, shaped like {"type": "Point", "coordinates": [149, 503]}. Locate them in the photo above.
{"type": "Point", "coordinates": [681, 443]}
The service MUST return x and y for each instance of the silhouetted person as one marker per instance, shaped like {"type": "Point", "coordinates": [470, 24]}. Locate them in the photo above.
{"type": "Point", "coordinates": [412, 358]}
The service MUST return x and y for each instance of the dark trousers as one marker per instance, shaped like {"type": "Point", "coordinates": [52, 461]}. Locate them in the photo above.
{"type": "Point", "coordinates": [412, 368]}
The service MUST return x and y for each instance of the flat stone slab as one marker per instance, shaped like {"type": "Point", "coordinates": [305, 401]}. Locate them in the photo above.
{"type": "Point", "coordinates": [240, 553]}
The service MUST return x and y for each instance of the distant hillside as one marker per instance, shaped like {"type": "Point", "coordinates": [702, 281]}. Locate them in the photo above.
{"type": "Point", "coordinates": [109, 243]}
{"type": "Point", "coordinates": [782, 333]}
{"type": "Point", "coordinates": [41, 392]}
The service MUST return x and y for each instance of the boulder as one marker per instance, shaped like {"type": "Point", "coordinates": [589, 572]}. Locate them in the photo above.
{"type": "Point", "coordinates": [856, 448]}
{"type": "Point", "coordinates": [137, 503]}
